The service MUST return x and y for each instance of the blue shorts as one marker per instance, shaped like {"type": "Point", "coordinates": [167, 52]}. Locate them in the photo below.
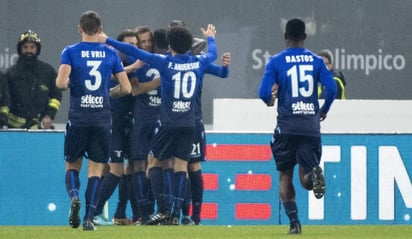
{"type": "Point", "coordinates": [90, 142]}
{"type": "Point", "coordinates": [172, 141]}
{"type": "Point", "coordinates": [198, 143]}
{"type": "Point", "coordinates": [289, 150]}
{"type": "Point", "coordinates": [140, 136]}
{"type": "Point", "coordinates": [120, 134]}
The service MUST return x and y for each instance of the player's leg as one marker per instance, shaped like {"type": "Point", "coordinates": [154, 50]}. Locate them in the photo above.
{"type": "Point", "coordinates": [74, 147]}
{"type": "Point", "coordinates": [155, 172]}
{"type": "Point", "coordinates": [196, 188]}
{"type": "Point", "coordinates": [140, 189]}
{"type": "Point", "coordinates": [310, 173]}
{"type": "Point", "coordinates": [142, 133]}
{"type": "Point", "coordinates": [186, 216]}
{"type": "Point", "coordinates": [98, 151]}
{"type": "Point", "coordinates": [159, 179]}
{"type": "Point", "coordinates": [284, 149]}
{"type": "Point", "coordinates": [179, 188]}
{"type": "Point", "coordinates": [182, 148]}
{"type": "Point", "coordinates": [116, 168]}
{"type": "Point", "coordinates": [195, 171]}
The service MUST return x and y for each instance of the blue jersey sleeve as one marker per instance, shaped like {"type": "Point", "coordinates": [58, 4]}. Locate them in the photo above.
{"type": "Point", "coordinates": [268, 80]}
{"type": "Point", "coordinates": [130, 50]}
{"type": "Point", "coordinates": [219, 71]}
{"type": "Point", "coordinates": [326, 79]}
{"type": "Point", "coordinates": [211, 49]}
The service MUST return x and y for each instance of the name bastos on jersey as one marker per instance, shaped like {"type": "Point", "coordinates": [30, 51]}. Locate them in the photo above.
{"type": "Point", "coordinates": [297, 72]}
{"type": "Point", "coordinates": [92, 66]}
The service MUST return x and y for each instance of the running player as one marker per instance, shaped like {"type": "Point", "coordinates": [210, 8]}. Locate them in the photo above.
{"type": "Point", "coordinates": [292, 77]}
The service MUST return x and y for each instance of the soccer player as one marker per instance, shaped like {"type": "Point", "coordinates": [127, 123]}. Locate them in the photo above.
{"type": "Point", "coordinates": [181, 77]}
{"type": "Point", "coordinates": [121, 115]}
{"type": "Point", "coordinates": [145, 114]}
{"type": "Point", "coordinates": [195, 190]}
{"type": "Point", "coordinates": [292, 77]}
{"type": "Point", "coordinates": [87, 67]}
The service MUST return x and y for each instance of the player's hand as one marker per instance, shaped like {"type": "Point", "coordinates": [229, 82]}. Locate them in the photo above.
{"type": "Point", "coordinates": [102, 37]}
{"type": "Point", "coordinates": [226, 59]}
{"type": "Point", "coordinates": [322, 116]}
{"type": "Point", "coordinates": [137, 64]}
{"type": "Point", "coordinates": [209, 32]}
{"type": "Point", "coordinates": [275, 88]}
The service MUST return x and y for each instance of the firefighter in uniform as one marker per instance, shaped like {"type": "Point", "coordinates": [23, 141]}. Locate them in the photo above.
{"type": "Point", "coordinates": [34, 97]}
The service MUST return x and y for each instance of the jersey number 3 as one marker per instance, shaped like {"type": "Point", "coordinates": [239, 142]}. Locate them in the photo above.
{"type": "Point", "coordinates": [94, 73]}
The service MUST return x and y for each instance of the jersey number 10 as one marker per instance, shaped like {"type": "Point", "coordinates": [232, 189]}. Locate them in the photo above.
{"type": "Point", "coordinates": [182, 84]}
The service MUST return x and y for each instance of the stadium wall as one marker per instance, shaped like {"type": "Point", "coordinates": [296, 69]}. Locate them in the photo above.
{"type": "Point", "coordinates": [372, 51]}
{"type": "Point", "coordinates": [367, 176]}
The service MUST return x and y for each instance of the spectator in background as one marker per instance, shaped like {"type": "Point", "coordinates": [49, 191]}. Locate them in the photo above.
{"type": "Point", "coordinates": [34, 97]}
{"type": "Point", "coordinates": [4, 101]}
{"type": "Point", "coordinates": [337, 76]}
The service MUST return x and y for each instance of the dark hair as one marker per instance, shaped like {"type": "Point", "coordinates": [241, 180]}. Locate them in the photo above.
{"type": "Point", "coordinates": [160, 43]}
{"type": "Point", "coordinates": [126, 33]}
{"type": "Point", "coordinates": [142, 29]}
{"type": "Point", "coordinates": [90, 22]}
{"type": "Point", "coordinates": [177, 23]}
{"type": "Point", "coordinates": [180, 39]}
{"type": "Point", "coordinates": [326, 54]}
{"type": "Point", "coordinates": [295, 30]}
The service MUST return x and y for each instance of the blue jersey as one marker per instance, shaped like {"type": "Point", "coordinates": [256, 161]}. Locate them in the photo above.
{"type": "Point", "coordinates": [122, 105]}
{"type": "Point", "coordinates": [147, 105]}
{"type": "Point", "coordinates": [298, 71]}
{"type": "Point", "coordinates": [181, 78]}
{"type": "Point", "coordinates": [92, 65]}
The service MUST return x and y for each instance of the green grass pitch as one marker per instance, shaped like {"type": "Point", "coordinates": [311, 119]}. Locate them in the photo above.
{"type": "Point", "coordinates": [208, 232]}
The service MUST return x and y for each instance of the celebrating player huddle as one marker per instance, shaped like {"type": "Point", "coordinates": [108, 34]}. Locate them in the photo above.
{"type": "Point", "coordinates": [152, 116]}
{"type": "Point", "coordinates": [87, 68]}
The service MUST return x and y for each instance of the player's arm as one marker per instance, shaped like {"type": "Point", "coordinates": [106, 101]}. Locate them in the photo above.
{"type": "Point", "coordinates": [220, 71]}
{"type": "Point", "coordinates": [210, 34]}
{"type": "Point", "coordinates": [123, 88]}
{"type": "Point", "coordinates": [134, 66]}
{"type": "Point", "coordinates": [268, 89]}
{"type": "Point", "coordinates": [145, 87]}
{"type": "Point", "coordinates": [62, 79]}
{"type": "Point", "coordinates": [131, 50]}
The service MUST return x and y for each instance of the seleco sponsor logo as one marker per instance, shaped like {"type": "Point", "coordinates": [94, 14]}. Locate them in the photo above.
{"type": "Point", "coordinates": [303, 108]}
{"type": "Point", "coordinates": [155, 101]}
{"type": "Point", "coordinates": [181, 106]}
{"type": "Point", "coordinates": [90, 101]}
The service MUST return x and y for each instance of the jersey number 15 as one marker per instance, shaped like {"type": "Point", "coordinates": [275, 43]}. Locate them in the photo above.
{"type": "Point", "coordinates": [298, 74]}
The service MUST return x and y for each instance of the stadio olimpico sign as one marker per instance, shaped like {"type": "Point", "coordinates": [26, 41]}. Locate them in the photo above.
{"type": "Point", "coordinates": [7, 59]}
{"type": "Point", "coordinates": [342, 60]}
